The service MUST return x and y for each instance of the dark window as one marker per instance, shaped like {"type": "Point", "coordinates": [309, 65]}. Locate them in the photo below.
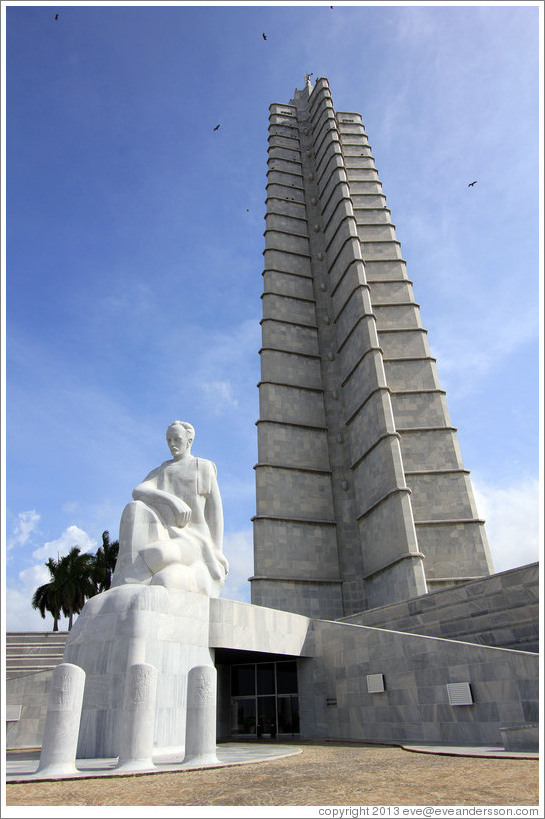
{"type": "Point", "coordinates": [264, 699]}
{"type": "Point", "coordinates": [265, 678]}
{"type": "Point", "coordinates": [286, 678]}
{"type": "Point", "coordinates": [288, 715]}
{"type": "Point", "coordinates": [243, 716]}
{"type": "Point", "coordinates": [266, 717]}
{"type": "Point", "coordinates": [242, 680]}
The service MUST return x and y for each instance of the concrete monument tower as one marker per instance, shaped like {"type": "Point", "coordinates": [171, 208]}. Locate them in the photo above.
{"type": "Point", "coordinates": [363, 504]}
{"type": "Point", "coordinates": [362, 496]}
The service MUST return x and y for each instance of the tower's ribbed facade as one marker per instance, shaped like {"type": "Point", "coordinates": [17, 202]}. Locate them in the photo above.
{"type": "Point", "coordinates": [362, 498]}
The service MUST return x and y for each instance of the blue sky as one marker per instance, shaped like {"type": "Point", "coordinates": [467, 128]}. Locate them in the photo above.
{"type": "Point", "coordinates": [134, 239]}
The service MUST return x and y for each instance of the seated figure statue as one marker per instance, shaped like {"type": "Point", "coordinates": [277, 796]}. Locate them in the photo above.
{"type": "Point", "coordinates": [172, 533]}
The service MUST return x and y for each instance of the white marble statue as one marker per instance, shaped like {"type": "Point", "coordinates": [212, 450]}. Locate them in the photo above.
{"type": "Point", "coordinates": [172, 533]}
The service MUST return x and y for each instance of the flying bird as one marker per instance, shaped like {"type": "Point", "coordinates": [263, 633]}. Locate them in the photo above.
{"type": "Point", "coordinates": [216, 128]}
{"type": "Point", "coordinates": [471, 184]}
{"type": "Point", "coordinates": [264, 36]}
{"type": "Point", "coordinates": [56, 17]}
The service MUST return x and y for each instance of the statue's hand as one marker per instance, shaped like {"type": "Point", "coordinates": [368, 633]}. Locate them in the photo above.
{"type": "Point", "coordinates": [182, 514]}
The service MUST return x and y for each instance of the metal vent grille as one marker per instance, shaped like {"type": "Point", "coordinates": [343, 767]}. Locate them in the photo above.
{"type": "Point", "coordinates": [459, 693]}
{"type": "Point", "coordinates": [13, 713]}
{"type": "Point", "coordinates": [375, 683]}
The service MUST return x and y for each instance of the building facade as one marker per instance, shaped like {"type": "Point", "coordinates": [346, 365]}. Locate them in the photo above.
{"type": "Point", "coordinates": [393, 674]}
{"type": "Point", "coordinates": [362, 496]}
{"type": "Point", "coordinates": [374, 615]}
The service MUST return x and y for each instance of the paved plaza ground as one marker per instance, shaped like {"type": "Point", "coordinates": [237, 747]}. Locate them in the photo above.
{"type": "Point", "coordinates": [323, 774]}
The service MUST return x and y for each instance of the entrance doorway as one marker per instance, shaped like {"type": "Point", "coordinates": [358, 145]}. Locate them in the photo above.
{"type": "Point", "coordinates": [264, 700]}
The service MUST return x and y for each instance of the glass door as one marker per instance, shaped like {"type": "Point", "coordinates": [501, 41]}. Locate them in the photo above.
{"type": "Point", "coordinates": [266, 717]}
{"type": "Point", "coordinates": [288, 714]}
{"type": "Point", "coordinates": [264, 700]}
{"type": "Point", "coordinates": [243, 716]}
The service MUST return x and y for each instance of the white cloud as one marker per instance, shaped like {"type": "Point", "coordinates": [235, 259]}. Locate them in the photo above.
{"type": "Point", "coordinates": [72, 536]}
{"type": "Point", "coordinates": [218, 370]}
{"type": "Point", "coordinates": [220, 393]}
{"type": "Point", "coordinates": [512, 521]}
{"type": "Point", "coordinates": [25, 525]}
{"type": "Point", "coordinates": [238, 549]}
{"type": "Point", "coordinates": [233, 349]}
{"type": "Point", "coordinates": [20, 616]}
{"type": "Point", "coordinates": [415, 28]}
{"type": "Point", "coordinates": [465, 339]}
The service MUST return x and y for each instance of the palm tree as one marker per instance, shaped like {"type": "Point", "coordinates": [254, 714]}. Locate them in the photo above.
{"type": "Point", "coordinates": [70, 585]}
{"type": "Point", "coordinates": [47, 597]}
{"type": "Point", "coordinates": [105, 560]}
{"type": "Point", "coordinates": [74, 579]}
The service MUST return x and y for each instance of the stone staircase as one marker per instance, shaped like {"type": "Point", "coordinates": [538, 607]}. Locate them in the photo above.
{"type": "Point", "coordinates": [30, 652]}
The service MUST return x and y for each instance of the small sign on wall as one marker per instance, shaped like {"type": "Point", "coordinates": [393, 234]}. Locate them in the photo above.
{"type": "Point", "coordinates": [375, 683]}
{"type": "Point", "coordinates": [13, 713]}
{"type": "Point", "coordinates": [459, 693]}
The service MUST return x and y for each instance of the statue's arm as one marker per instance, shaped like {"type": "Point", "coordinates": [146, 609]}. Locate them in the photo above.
{"type": "Point", "coordinates": [153, 497]}
{"type": "Point", "coordinates": [213, 513]}
{"type": "Point", "coordinates": [216, 561]}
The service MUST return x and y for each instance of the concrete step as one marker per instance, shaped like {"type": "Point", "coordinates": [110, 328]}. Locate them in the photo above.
{"type": "Point", "coordinates": [23, 672]}
{"type": "Point", "coordinates": [32, 652]}
{"type": "Point", "coordinates": [36, 637]}
{"type": "Point", "coordinates": [34, 648]}
{"type": "Point", "coordinates": [24, 660]}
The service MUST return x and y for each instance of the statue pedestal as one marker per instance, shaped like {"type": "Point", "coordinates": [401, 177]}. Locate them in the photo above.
{"type": "Point", "coordinates": [167, 628]}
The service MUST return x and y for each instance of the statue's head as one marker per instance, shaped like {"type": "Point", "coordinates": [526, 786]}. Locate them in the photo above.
{"type": "Point", "coordinates": [180, 436]}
